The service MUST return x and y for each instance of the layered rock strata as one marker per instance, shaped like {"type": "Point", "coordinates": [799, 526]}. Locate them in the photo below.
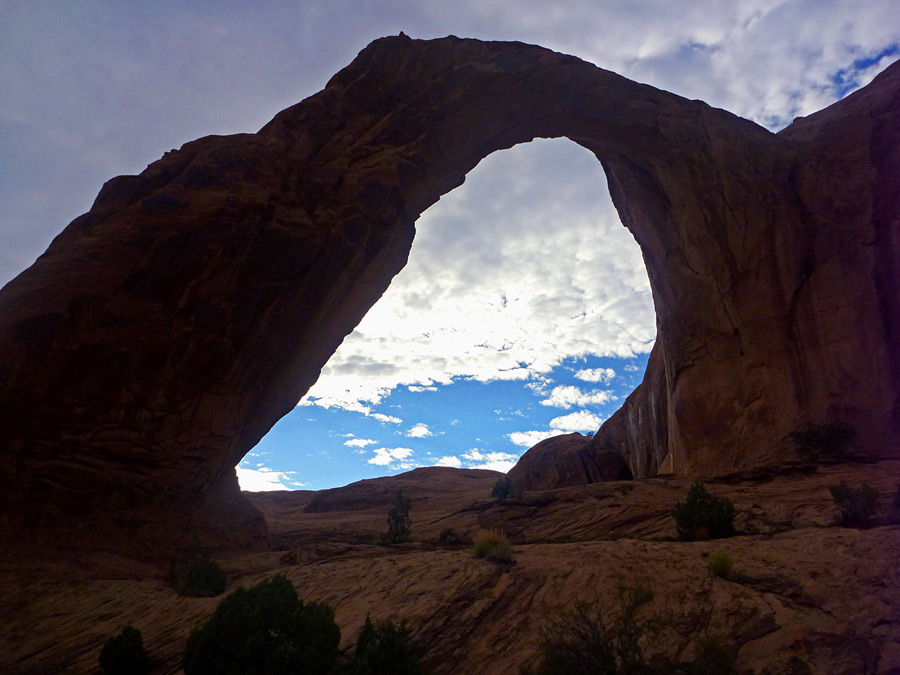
{"type": "Point", "coordinates": [165, 331]}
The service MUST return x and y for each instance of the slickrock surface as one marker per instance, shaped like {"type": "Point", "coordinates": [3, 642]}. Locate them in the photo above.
{"type": "Point", "coordinates": [801, 589]}
{"type": "Point", "coordinates": [165, 331]}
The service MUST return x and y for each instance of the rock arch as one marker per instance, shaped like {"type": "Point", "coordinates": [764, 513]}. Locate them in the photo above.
{"type": "Point", "coordinates": [166, 330]}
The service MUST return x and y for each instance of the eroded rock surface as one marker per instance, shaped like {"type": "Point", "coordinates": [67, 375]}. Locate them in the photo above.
{"type": "Point", "coordinates": [164, 332]}
{"type": "Point", "coordinates": [804, 596]}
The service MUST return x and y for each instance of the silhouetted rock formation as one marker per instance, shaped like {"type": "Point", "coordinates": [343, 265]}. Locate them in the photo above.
{"type": "Point", "coordinates": [563, 461]}
{"type": "Point", "coordinates": [164, 332]}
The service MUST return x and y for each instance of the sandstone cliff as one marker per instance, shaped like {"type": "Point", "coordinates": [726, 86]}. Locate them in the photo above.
{"type": "Point", "coordinates": [165, 331]}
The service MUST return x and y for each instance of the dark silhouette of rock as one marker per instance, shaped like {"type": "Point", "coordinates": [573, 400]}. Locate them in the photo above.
{"type": "Point", "coordinates": [165, 331]}
{"type": "Point", "coordinates": [563, 461]}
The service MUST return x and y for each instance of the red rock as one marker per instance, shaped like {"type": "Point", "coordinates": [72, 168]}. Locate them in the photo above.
{"type": "Point", "coordinates": [563, 461]}
{"type": "Point", "coordinates": [164, 332]}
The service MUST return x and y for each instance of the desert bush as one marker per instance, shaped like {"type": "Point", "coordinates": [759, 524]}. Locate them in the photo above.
{"type": "Point", "coordinates": [266, 629]}
{"type": "Point", "coordinates": [822, 440]}
{"type": "Point", "coordinates": [398, 521]}
{"type": "Point", "coordinates": [502, 488]}
{"type": "Point", "coordinates": [201, 578]}
{"type": "Point", "coordinates": [491, 544]}
{"type": "Point", "coordinates": [720, 564]}
{"type": "Point", "coordinates": [577, 641]}
{"type": "Point", "coordinates": [124, 654]}
{"type": "Point", "coordinates": [857, 504]}
{"type": "Point", "coordinates": [703, 515]}
{"type": "Point", "coordinates": [384, 648]}
{"type": "Point", "coordinates": [715, 656]}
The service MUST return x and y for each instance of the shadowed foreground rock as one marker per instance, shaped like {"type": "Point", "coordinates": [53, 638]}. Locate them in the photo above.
{"type": "Point", "coordinates": [164, 332]}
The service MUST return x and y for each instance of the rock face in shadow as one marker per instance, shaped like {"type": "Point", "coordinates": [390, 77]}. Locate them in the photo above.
{"type": "Point", "coordinates": [165, 331]}
{"type": "Point", "coordinates": [567, 460]}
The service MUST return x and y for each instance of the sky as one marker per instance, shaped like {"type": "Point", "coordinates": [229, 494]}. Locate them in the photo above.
{"type": "Point", "coordinates": [525, 310]}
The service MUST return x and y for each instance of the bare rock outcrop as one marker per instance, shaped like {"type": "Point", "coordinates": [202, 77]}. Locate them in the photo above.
{"type": "Point", "coordinates": [562, 461]}
{"type": "Point", "coordinates": [165, 331]}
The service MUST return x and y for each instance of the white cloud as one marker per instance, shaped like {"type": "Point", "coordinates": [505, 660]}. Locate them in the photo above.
{"type": "Point", "coordinates": [359, 442]}
{"type": "Point", "coordinates": [576, 421]}
{"type": "Point", "coordinates": [387, 456]}
{"type": "Point", "coordinates": [494, 461]}
{"type": "Point", "coordinates": [449, 460]}
{"type": "Point", "coordinates": [602, 375]}
{"type": "Point", "coordinates": [505, 302]}
{"type": "Point", "coordinates": [388, 419]}
{"type": "Point", "coordinates": [420, 431]}
{"type": "Point", "coordinates": [264, 479]}
{"type": "Point", "coordinates": [565, 396]}
{"type": "Point", "coordinates": [527, 439]}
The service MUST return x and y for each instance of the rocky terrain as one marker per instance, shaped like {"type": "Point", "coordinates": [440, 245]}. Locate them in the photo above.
{"type": "Point", "coordinates": [165, 331]}
{"type": "Point", "coordinates": [804, 593]}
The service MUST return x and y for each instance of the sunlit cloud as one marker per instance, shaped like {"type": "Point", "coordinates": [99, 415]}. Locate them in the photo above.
{"type": "Point", "coordinates": [448, 460]}
{"type": "Point", "coordinates": [387, 419]}
{"type": "Point", "coordinates": [493, 461]}
{"type": "Point", "coordinates": [263, 479]}
{"type": "Point", "coordinates": [567, 396]}
{"type": "Point", "coordinates": [388, 456]}
{"type": "Point", "coordinates": [420, 431]}
{"type": "Point", "coordinates": [576, 421]}
{"type": "Point", "coordinates": [599, 375]}
{"type": "Point", "coordinates": [359, 442]}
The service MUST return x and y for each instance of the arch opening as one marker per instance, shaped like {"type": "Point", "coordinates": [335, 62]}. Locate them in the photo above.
{"type": "Point", "coordinates": [524, 312]}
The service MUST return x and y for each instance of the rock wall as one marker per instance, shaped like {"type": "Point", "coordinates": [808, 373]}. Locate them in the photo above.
{"type": "Point", "coordinates": [165, 331]}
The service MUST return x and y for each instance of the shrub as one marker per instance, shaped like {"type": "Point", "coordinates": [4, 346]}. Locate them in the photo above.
{"type": "Point", "coordinates": [398, 521]}
{"type": "Point", "coordinates": [703, 515]}
{"type": "Point", "coordinates": [828, 440]}
{"type": "Point", "coordinates": [714, 657]}
{"type": "Point", "coordinates": [502, 488]}
{"type": "Point", "coordinates": [491, 544]}
{"type": "Point", "coordinates": [124, 654]}
{"type": "Point", "coordinates": [720, 564]}
{"type": "Point", "coordinates": [577, 641]}
{"type": "Point", "coordinates": [199, 579]}
{"type": "Point", "coordinates": [857, 504]}
{"type": "Point", "coordinates": [264, 629]}
{"type": "Point", "coordinates": [384, 648]}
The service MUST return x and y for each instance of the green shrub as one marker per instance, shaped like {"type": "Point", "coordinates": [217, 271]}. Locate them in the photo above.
{"type": "Point", "coordinates": [703, 515]}
{"type": "Point", "coordinates": [577, 641]}
{"type": "Point", "coordinates": [714, 657]}
{"type": "Point", "coordinates": [384, 648]}
{"type": "Point", "coordinates": [124, 654]}
{"type": "Point", "coordinates": [857, 504]}
{"type": "Point", "coordinates": [720, 564]}
{"type": "Point", "coordinates": [264, 629]}
{"type": "Point", "coordinates": [199, 579]}
{"type": "Point", "coordinates": [822, 440]}
{"type": "Point", "coordinates": [492, 545]}
{"type": "Point", "coordinates": [398, 521]}
{"type": "Point", "coordinates": [503, 489]}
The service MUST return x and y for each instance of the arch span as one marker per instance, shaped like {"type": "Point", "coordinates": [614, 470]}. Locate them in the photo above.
{"type": "Point", "coordinates": [165, 331]}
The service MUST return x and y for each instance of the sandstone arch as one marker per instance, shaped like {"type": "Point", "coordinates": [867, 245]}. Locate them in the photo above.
{"type": "Point", "coordinates": [165, 331]}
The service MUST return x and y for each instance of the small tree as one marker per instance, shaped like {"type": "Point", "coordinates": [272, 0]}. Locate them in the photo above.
{"type": "Point", "coordinates": [124, 654]}
{"type": "Point", "coordinates": [264, 629]}
{"type": "Point", "coordinates": [857, 504]}
{"type": "Point", "coordinates": [502, 488]}
{"type": "Point", "coordinates": [398, 521]}
{"type": "Point", "coordinates": [703, 515]}
{"type": "Point", "coordinates": [384, 648]}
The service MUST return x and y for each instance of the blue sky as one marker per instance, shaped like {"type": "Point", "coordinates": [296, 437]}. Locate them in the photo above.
{"type": "Point", "coordinates": [518, 281]}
